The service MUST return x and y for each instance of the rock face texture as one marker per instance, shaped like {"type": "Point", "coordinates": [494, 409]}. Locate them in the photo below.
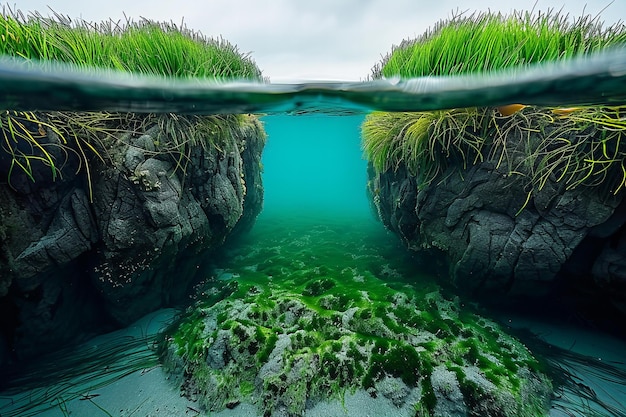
{"type": "Point", "coordinates": [127, 238]}
{"type": "Point", "coordinates": [501, 243]}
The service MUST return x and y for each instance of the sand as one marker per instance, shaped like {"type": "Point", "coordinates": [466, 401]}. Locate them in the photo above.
{"type": "Point", "coordinates": [152, 393]}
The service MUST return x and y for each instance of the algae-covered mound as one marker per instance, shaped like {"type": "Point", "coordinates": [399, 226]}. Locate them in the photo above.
{"type": "Point", "coordinates": [518, 200]}
{"type": "Point", "coordinates": [317, 313]}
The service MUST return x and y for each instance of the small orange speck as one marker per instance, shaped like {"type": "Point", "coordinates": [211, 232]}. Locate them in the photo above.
{"type": "Point", "coordinates": [565, 111]}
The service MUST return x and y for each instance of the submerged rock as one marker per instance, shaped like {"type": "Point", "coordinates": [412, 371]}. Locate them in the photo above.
{"type": "Point", "coordinates": [124, 223]}
{"type": "Point", "coordinates": [301, 326]}
{"type": "Point", "coordinates": [516, 221]}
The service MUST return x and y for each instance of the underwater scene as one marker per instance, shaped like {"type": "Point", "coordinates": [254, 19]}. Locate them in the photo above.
{"type": "Point", "coordinates": [183, 237]}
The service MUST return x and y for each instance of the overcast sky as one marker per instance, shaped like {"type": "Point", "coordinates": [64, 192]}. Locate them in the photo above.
{"type": "Point", "coordinates": [297, 40]}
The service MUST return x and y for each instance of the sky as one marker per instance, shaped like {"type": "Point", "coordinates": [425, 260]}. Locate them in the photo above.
{"type": "Point", "coordinates": [304, 40]}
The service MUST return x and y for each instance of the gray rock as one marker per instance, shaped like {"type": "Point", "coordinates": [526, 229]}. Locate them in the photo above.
{"type": "Point", "coordinates": [274, 365]}
{"type": "Point", "coordinates": [500, 246]}
{"type": "Point", "coordinates": [395, 390]}
{"type": "Point", "coordinates": [71, 233]}
{"type": "Point", "coordinates": [448, 393]}
{"type": "Point", "coordinates": [68, 263]}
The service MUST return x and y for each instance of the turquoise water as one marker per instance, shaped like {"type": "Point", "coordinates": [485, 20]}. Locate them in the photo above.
{"type": "Point", "coordinates": [314, 166]}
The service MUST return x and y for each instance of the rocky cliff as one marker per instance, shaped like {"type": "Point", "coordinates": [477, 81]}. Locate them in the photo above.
{"type": "Point", "coordinates": [105, 224]}
{"type": "Point", "coordinates": [500, 234]}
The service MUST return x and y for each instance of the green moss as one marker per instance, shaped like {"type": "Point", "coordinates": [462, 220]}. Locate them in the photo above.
{"type": "Point", "coordinates": [470, 390]}
{"type": "Point", "coordinates": [267, 348]}
{"type": "Point", "coordinates": [364, 314]}
{"type": "Point", "coordinates": [318, 287]}
{"type": "Point", "coordinates": [260, 335]}
{"type": "Point", "coordinates": [409, 317]}
{"type": "Point", "coordinates": [355, 353]}
{"type": "Point", "coordinates": [246, 388]}
{"type": "Point", "coordinates": [385, 332]}
{"type": "Point", "coordinates": [399, 360]}
{"type": "Point", "coordinates": [429, 400]}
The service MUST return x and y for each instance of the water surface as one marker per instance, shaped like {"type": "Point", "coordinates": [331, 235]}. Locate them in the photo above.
{"type": "Point", "coordinates": [591, 80]}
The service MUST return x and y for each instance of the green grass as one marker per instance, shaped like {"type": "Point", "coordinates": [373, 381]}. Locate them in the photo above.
{"type": "Point", "coordinates": [483, 42]}
{"type": "Point", "coordinates": [144, 47]}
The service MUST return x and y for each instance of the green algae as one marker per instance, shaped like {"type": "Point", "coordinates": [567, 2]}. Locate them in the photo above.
{"type": "Point", "coordinates": [314, 311]}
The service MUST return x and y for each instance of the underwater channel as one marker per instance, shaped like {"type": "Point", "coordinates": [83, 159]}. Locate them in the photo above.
{"type": "Point", "coordinates": [316, 246]}
{"type": "Point", "coordinates": [313, 165]}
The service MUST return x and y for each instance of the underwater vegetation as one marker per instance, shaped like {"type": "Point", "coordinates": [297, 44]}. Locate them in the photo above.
{"type": "Point", "coordinates": [309, 312]}
{"type": "Point", "coordinates": [583, 383]}
{"type": "Point", "coordinates": [581, 146]}
{"type": "Point", "coordinates": [31, 140]}
{"type": "Point", "coordinates": [57, 378]}
{"type": "Point", "coordinates": [578, 146]}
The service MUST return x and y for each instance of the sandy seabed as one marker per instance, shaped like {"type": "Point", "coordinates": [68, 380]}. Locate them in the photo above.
{"type": "Point", "coordinates": [151, 392]}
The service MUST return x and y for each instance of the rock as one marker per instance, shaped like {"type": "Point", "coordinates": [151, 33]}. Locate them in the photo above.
{"type": "Point", "coordinates": [395, 390]}
{"type": "Point", "coordinates": [78, 251]}
{"type": "Point", "coordinates": [500, 244]}
{"type": "Point", "coordinates": [609, 271]}
{"type": "Point", "coordinates": [71, 233]}
{"type": "Point", "coordinates": [450, 401]}
{"type": "Point", "coordinates": [287, 342]}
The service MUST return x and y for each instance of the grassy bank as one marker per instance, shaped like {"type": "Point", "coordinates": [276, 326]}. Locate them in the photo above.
{"type": "Point", "coordinates": [577, 146]}
{"type": "Point", "coordinates": [144, 47]}
{"type": "Point", "coordinates": [483, 42]}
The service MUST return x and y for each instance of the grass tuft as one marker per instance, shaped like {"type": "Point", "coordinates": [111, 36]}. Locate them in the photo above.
{"type": "Point", "coordinates": [144, 47]}
{"type": "Point", "coordinates": [483, 42]}
{"type": "Point", "coordinates": [424, 142]}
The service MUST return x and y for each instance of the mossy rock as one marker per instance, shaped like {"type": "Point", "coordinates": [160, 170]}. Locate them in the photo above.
{"type": "Point", "coordinates": [299, 338]}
